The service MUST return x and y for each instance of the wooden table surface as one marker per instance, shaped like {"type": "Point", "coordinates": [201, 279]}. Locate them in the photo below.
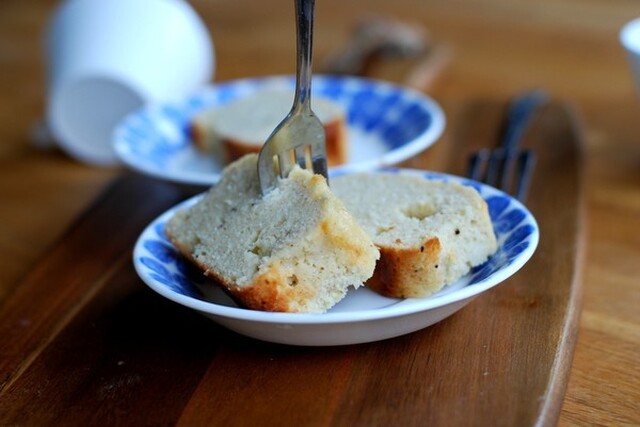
{"type": "Point", "coordinates": [500, 47]}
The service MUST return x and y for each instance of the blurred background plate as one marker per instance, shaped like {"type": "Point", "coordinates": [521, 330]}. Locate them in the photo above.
{"type": "Point", "coordinates": [386, 124]}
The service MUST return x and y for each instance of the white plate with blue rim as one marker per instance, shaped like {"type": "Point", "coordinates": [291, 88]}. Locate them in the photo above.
{"type": "Point", "coordinates": [362, 316]}
{"type": "Point", "coordinates": [386, 124]}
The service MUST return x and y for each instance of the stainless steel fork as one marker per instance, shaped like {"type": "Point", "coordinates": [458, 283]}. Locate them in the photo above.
{"type": "Point", "coordinates": [300, 137]}
{"type": "Point", "coordinates": [507, 166]}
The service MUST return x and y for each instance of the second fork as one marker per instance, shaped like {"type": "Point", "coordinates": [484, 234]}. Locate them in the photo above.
{"type": "Point", "coordinates": [506, 166]}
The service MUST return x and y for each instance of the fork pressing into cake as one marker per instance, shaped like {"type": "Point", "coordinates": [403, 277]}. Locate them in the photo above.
{"type": "Point", "coordinates": [300, 138]}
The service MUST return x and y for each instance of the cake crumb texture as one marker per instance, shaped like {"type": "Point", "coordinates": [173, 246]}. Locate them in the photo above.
{"type": "Point", "coordinates": [297, 249]}
{"type": "Point", "coordinates": [429, 233]}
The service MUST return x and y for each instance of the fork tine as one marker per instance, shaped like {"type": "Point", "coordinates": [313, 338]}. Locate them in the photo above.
{"type": "Point", "coordinates": [515, 172]}
{"type": "Point", "coordinates": [301, 155]}
{"type": "Point", "coordinates": [526, 164]}
{"type": "Point", "coordinates": [475, 168]}
{"type": "Point", "coordinates": [267, 169]}
{"type": "Point", "coordinates": [495, 167]}
{"type": "Point", "coordinates": [285, 163]}
{"type": "Point", "coordinates": [509, 170]}
{"type": "Point", "coordinates": [507, 167]}
{"type": "Point", "coordinates": [318, 155]}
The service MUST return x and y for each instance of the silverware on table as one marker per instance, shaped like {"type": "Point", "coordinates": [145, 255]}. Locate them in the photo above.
{"type": "Point", "coordinates": [391, 46]}
{"type": "Point", "coordinates": [377, 37]}
{"type": "Point", "coordinates": [300, 137]}
{"type": "Point", "coordinates": [507, 166]}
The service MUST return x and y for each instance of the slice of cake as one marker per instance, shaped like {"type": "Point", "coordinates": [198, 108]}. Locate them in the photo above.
{"type": "Point", "coordinates": [429, 233]}
{"type": "Point", "coordinates": [242, 126]}
{"type": "Point", "coordinates": [297, 249]}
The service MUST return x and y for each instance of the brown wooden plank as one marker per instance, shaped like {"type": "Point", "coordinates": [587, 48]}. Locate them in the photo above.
{"type": "Point", "coordinates": [128, 357]}
{"type": "Point", "coordinates": [102, 349]}
{"type": "Point", "coordinates": [75, 269]}
{"type": "Point", "coordinates": [546, 294]}
{"type": "Point", "coordinates": [504, 358]}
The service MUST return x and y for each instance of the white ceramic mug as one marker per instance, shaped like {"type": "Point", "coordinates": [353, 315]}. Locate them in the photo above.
{"type": "Point", "coordinates": [109, 57]}
{"type": "Point", "coordinates": [630, 40]}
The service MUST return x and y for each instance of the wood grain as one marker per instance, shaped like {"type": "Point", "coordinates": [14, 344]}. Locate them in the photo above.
{"type": "Point", "coordinates": [100, 346]}
{"type": "Point", "coordinates": [499, 47]}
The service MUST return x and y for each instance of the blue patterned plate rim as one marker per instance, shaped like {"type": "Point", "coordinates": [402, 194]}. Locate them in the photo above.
{"type": "Point", "coordinates": [401, 123]}
{"type": "Point", "coordinates": [516, 229]}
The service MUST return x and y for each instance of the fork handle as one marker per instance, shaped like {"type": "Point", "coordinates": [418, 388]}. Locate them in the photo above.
{"type": "Point", "coordinates": [304, 33]}
{"type": "Point", "coordinates": [519, 115]}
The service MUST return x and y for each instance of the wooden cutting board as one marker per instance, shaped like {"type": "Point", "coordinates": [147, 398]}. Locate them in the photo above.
{"type": "Point", "coordinates": [84, 342]}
